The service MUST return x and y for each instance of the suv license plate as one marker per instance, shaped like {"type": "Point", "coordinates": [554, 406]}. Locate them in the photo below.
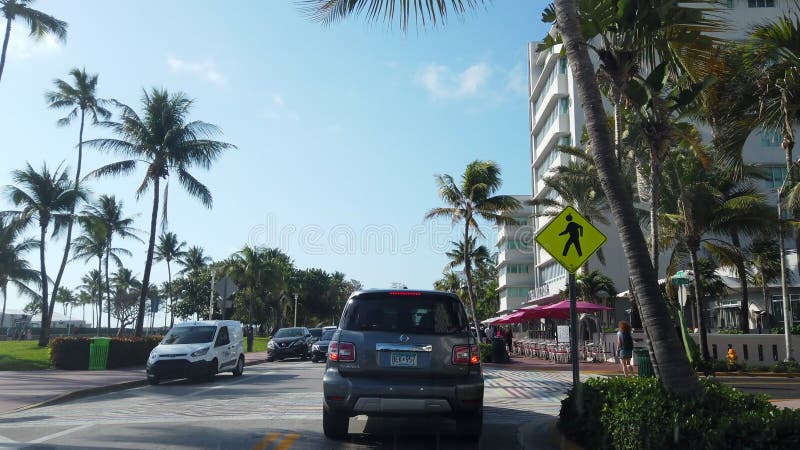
{"type": "Point", "coordinates": [404, 359]}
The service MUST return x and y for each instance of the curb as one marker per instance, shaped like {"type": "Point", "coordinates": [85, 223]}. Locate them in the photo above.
{"type": "Point", "coordinates": [82, 393]}
{"type": "Point", "coordinates": [752, 374]}
{"type": "Point", "coordinates": [557, 440]}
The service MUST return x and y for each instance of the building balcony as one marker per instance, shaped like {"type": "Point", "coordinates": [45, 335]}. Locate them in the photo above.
{"type": "Point", "coordinates": [558, 88]}
{"type": "Point", "coordinates": [514, 256]}
{"type": "Point", "coordinates": [515, 279]}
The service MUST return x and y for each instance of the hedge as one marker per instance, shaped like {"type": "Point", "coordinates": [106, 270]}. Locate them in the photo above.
{"type": "Point", "coordinates": [72, 353]}
{"type": "Point", "coordinates": [638, 413]}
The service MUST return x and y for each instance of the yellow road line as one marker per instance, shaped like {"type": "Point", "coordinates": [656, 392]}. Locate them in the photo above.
{"type": "Point", "coordinates": [287, 442]}
{"type": "Point", "coordinates": [269, 439]}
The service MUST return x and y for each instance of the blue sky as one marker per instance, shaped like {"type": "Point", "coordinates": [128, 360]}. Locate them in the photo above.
{"type": "Point", "coordinates": [339, 129]}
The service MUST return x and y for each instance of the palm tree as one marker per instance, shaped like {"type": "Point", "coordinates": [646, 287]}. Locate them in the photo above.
{"type": "Point", "coordinates": [126, 286]}
{"type": "Point", "coordinates": [765, 254]}
{"type": "Point", "coordinates": [166, 142]}
{"type": "Point", "coordinates": [46, 198]}
{"type": "Point", "coordinates": [80, 98]}
{"type": "Point", "coordinates": [169, 249]}
{"type": "Point", "coordinates": [66, 298]}
{"type": "Point", "coordinates": [479, 255]}
{"type": "Point", "coordinates": [107, 213]}
{"type": "Point", "coordinates": [194, 260]}
{"type": "Point", "coordinates": [13, 267]}
{"type": "Point", "coordinates": [467, 201]}
{"type": "Point", "coordinates": [93, 283]}
{"type": "Point", "coordinates": [39, 23]}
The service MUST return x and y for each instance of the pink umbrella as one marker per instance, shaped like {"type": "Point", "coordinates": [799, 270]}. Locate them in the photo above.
{"type": "Point", "coordinates": [581, 307]}
{"type": "Point", "coordinates": [526, 315]}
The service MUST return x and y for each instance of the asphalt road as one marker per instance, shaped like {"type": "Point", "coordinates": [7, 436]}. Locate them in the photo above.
{"type": "Point", "coordinates": [276, 406]}
{"type": "Point", "coordinates": [776, 388]}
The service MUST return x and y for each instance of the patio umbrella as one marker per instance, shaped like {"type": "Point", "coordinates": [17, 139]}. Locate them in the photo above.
{"type": "Point", "coordinates": [581, 307]}
{"type": "Point", "coordinates": [526, 315]}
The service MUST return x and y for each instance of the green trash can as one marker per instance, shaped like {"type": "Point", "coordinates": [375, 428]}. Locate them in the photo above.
{"type": "Point", "coordinates": [644, 364]}
{"type": "Point", "coordinates": [98, 353]}
{"type": "Point", "coordinates": [498, 350]}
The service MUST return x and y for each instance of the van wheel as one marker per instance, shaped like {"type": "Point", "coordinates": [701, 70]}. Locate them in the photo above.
{"type": "Point", "coordinates": [469, 426]}
{"type": "Point", "coordinates": [239, 369]}
{"type": "Point", "coordinates": [212, 370]}
{"type": "Point", "coordinates": [334, 426]}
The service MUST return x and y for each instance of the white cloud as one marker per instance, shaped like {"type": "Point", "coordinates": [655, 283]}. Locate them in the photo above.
{"type": "Point", "coordinates": [442, 82]}
{"type": "Point", "coordinates": [279, 110]}
{"type": "Point", "coordinates": [22, 46]}
{"type": "Point", "coordinates": [206, 70]}
{"type": "Point", "coordinates": [517, 81]}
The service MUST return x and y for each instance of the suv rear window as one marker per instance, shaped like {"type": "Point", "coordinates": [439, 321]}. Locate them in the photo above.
{"type": "Point", "coordinates": [427, 314]}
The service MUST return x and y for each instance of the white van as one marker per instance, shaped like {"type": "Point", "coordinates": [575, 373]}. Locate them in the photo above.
{"type": "Point", "coordinates": [198, 350]}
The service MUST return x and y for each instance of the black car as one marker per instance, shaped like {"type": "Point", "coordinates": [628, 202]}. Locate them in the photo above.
{"type": "Point", "coordinates": [319, 349]}
{"type": "Point", "coordinates": [316, 333]}
{"type": "Point", "coordinates": [292, 342]}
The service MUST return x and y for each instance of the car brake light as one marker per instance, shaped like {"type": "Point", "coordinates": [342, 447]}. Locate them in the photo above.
{"type": "Point", "coordinates": [342, 351]}
{"type": "Point", "coordinates": [406, 293]}
{"type": "Point", "coordinates": [466, 355]}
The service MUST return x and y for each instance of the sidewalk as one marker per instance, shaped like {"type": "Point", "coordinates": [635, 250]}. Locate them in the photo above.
{"type": "Point", "coordinates": [25, 389]}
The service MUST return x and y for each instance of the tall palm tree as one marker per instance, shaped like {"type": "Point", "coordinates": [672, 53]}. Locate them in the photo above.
{"type": "Point", "coordinates": [765, 255]}
{"type": "Point", "coordinates": [14, 268]}
{"type": "Point", "coordinates": [93, 283]}
{"type": "Point", "coordinates": [66, 298]}
{"type": "Point", "coordinates": [169, 249]}
{"type": "Point", "coordinates": [107, 213]}
{"type": "Point", "coordinates": [167, 143]}
{"type": "Point", "coordinates": [675, 372]}
{"type": "Point", "coordinates": [80, 99]}
{"type": "Point", "coordinates": [47, 198]}
{"type": "Point", "coordinates": [39, 23]}
{"type": "Point", "coordinates": [479, 255]}
{"type": "Point", "coordinates": [193, 260]}
{"type": "Point", "coordinates": [126, 287]}
{"type": "Point", "coordinates": [473, 198]}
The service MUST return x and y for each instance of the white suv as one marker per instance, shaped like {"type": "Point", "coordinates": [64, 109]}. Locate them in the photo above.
{"type": "Point", "coordinates": [198, 350]}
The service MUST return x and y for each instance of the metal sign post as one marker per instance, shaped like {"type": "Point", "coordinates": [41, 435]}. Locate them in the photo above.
{"type": "Point", "coordinates": [573, 332]}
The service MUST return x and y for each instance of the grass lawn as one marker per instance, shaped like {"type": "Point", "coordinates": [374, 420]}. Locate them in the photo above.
{"type": "Point", "coordinates": [25, 355]}
{"type": "Point", "coordinates": [259, 343]}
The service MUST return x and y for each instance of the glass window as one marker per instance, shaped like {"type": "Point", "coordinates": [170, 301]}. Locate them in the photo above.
{"type": "Point", "coordinates": [289, 332]}
{"type": "Point", "coordinates": [775, 176]}
{"type": "Point", "coordinates": [517, 292]}
{"type": "Point", "coordinates": [777, 307]}
{"type": "Point", "coordinates": [563, 105]}
{"type": "Point", "coordinates": [189, 335]}
{"type": "Point", "coordinates": [517, 245]}
{"type": "Point", "coordinates": [517, 268]}
{"type": "Point", "coordinates": [327, 336]}
{"type": "Point", "coordinates": [420, 314]}
{"type": "Point", "coordinates": [521, 220]}
{"type": "Point", "coordinates": [222, 337]}
{"type": "Point", "coordinates": [562, 66]}
{"type": "Point", "coordinates": [565, 141]}
{"type": "Point", "coordinates": [730, 3]}
{"type": "Point", "coordinates": [770, 138]}
{"type": "Point", "coordinates": [552, 273]}
{"type": "Point", "coordinates": [760, 3]}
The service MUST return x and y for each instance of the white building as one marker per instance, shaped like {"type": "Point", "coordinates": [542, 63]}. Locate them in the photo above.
{"type": "Point", "coordinates": [556, 118]}
{"type": "Point", "coordinates": [515, 270]}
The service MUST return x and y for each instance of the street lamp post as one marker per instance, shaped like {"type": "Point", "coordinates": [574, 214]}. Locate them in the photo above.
{"type": "Point", "coordinates": [295, 309]}
{"type": "Point", "coordinates": [787, 313]}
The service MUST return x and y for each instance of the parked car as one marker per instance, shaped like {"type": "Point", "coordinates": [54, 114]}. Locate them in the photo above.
{"type": "Point", "coordinates": [198, 350]}
{"type": "Point", "coordinates": [292, 342]}
{"type": "Point", "coordinates": [315, 334]}
{"type": "Point", "coordinates": [403, 353]}
{"type": "Point", "coordinates": [330, 327]}
{"type": "Point", "coordinates": [319, 349]}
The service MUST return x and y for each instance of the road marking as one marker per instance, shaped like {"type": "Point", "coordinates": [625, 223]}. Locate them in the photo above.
{"type": "Point", "coordinates": [230, 383]}
{"type": "Point", "coordinates": [287, 442]}
{"type": "Point", "coordinates": [5, 440]}
{"type": "Point", "coordinates": [59, 434]}
{"type": "Point", "coordinates": [262, 445]}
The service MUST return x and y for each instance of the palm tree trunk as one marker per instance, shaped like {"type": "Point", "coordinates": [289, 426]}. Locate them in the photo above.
{"type": "Point", "coordinates": [468, 274]}
{"type": "Point", "coordinates": [744, 308]}
{"type": "Point", "coordinates": [698, 295]}
{"type": "Point", "coordinates": [169, 294]}
{"type": "Point", "coordinates": [655, 194]}
{"type": "Point", "coordinates": [68, 243]}
{"type": "Point", "coordinates": [148, 264]}
{"type": "Point", "coordinates": [673, 366]}
{"type": "Point", "coordinates": [5, 47]}
{"type": "Point", "coordinates": [44, 336]}
{"type": "Point", "coordinates": [108, 284]}
{"type": "Point", "coordinates": [5, 297]}
{"type": "Point", "coordinates": [99, 293]}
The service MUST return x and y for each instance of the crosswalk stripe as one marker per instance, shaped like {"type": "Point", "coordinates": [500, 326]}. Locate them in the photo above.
{"type": "Point", "coordinates": [262, 445]}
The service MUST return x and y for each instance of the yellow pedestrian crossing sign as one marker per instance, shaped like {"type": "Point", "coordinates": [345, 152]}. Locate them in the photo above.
{"type": "Point", "coordinates": [570, 239]}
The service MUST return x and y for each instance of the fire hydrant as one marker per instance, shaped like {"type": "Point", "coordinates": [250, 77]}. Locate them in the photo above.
{"type": "Point", "coordinates": [731, 356]}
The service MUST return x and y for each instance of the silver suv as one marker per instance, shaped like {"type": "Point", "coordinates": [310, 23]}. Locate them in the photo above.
{"type": "Point", "coordinates": [401, 353]}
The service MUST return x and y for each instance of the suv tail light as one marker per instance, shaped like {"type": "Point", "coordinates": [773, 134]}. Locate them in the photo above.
{"type": "Point", "coordinates": [466, 355]}
{"type": "Point", "coordinates": [341, 351]}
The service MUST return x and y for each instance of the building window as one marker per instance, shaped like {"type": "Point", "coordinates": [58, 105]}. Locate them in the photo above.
{"type": "Point", "coordinates": [563, 105]}
{"type": "Point", "coordinates": [562, 66]}
{"type": "Point", "coordinates": [777, 307]}
{"type": "Point", "coordinates": [517, 245]}
{"type": "Point", "coordinates": [730, 3]}
{"type": "Point", "coordinates": [760, 3]}
{"type": "Point", "coordinates": [565, 141]}
{"type": "Point", "coordinates": [552, 273]}
{"type": "Point", "coordinates": [517, 268]}
{"type": "Point", "coordinates": [517, 292]}
{"type": "Point", "coordinates": [770, 138]}
{"type": "Point", "coordinates": [775, 176]}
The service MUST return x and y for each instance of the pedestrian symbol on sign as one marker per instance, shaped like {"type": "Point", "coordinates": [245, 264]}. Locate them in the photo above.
{"type": "Point", "coordinates": [575, 231]}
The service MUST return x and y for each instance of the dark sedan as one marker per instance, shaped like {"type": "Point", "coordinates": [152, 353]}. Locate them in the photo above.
{"type": "Point", "coordinates": [319, 349]}
{"type": "Point", "coordinates": [289, 343]}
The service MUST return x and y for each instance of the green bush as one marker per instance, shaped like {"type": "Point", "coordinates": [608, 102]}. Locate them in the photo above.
{"type": "Point", "coordinates": [70, 353]}
{"type": "Point", "coordinates": [638, 413]}
{"type": "Point", "coordinates": [130, 351]}
{"type": "Point", "coordinates": [786, 366]}
{"type": "Point", "coordinates": [729, 331]}
{"type": "Point", "coordinates": [486, 352]}
{"type": "Point", "coordinates": [779, 330]}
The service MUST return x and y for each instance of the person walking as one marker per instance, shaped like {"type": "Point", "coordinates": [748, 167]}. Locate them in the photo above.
{"type": "Point", "coordinates": [509, 336]}
{"type": "Point", "coordinates": [625, 347]}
